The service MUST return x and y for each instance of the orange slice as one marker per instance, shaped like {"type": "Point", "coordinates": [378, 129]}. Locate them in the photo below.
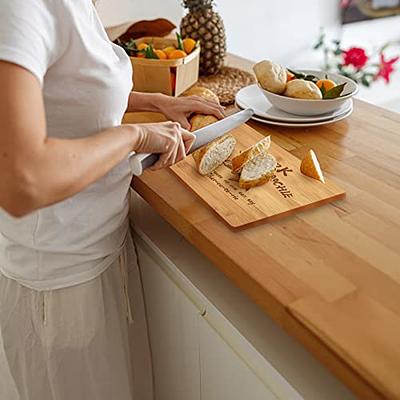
{"type": "Point", "coordinates": [310, 166]}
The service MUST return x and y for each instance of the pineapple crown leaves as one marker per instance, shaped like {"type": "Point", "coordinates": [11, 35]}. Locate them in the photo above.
{"type": "Point", "coordinates": [197, 5]}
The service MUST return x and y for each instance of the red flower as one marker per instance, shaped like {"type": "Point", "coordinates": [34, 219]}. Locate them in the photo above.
{"type": "Point", "coordinates": [386, 68]}
{"type": "Point", "coordinates": [355, 56]}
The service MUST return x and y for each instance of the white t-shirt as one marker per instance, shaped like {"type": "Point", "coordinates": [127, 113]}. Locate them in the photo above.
{"type": "Point", "coordinates": [86, 81]}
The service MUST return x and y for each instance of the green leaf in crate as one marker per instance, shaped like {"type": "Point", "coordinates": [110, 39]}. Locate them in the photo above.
{"type": "Point", "coordinates": [180, 42]}
{"type": "Point", "coordinates": [149, 52]}
{"type": "Point", "coordinates": [335, 92]}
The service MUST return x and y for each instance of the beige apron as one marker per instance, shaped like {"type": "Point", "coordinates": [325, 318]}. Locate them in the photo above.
{"type": "Point", "coordinates": [77, 343]}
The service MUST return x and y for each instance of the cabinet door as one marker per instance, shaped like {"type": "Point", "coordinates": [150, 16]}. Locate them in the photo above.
{"type": "Point", "coordinates": [224, 375]}
{"type": "Point", "coordinates": [173, 327]}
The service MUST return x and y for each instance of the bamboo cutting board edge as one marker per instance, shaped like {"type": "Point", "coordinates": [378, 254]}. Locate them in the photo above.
{"type": "Point", "coordinates": [263, 220]}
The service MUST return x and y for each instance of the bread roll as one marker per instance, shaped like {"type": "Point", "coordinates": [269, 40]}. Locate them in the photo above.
{"type": "Point", "coordinates": [200, 121]}
{"type": "Point", "coordinates": [202, 92]}
{"type": "Point", "coordinates": [240, 160]}
{"type": "Point", "coordinates": [301, 89]}
{"type": "Point", "coordinates": [212, 155]}
{"type": "Point", "coordinates": [271, 76]}
{"type": "Point", "coordinates": [257, 171]}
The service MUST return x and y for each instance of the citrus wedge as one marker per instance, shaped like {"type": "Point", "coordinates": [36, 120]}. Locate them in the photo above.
{"type": "Point", "coordinates": [310, 166]}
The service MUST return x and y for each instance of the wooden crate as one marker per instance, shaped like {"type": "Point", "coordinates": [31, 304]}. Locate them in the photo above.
{"type": "Point", "coordinates": [158, 76]}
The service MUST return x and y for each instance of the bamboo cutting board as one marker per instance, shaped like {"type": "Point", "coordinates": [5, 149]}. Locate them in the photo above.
{"type": "Point", "coordinates": [287, 192]}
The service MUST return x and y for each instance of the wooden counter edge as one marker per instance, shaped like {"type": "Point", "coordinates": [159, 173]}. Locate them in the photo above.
{"type": "Point", "coordinates": [271, 306]}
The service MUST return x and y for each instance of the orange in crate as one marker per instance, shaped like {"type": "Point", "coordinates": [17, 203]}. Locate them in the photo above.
{"type": "Point", "coordinates": [176, 54]}
{"type": "Point", "coordinates": [168, 76]}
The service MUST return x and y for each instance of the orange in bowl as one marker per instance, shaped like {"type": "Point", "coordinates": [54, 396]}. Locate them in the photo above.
{"type": "Point", "coordinates": [328, 84]}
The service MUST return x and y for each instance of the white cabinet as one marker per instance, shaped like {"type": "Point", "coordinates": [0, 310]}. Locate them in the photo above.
{"type": "Point", "coordinates": [173, 326]}
{"type": "Point", "coordinates": [223, 374]}
{"type": "Point", "coordinates": [197, 354]}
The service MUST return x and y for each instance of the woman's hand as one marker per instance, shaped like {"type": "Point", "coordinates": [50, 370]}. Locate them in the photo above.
{"type": "Point", "coordinates": [180, 108]}
{"type": "Point", "coordinates": [168, 139]}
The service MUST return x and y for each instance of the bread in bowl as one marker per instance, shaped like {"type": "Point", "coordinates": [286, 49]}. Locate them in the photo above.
{"type": "Point", "coordinates": [301, 89]}
{"type": "Point", "coordinates": [271, 76]}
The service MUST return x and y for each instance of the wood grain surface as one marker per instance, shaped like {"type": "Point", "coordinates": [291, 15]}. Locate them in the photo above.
{"type": "Point", "coordinates": [329, 276]}
{"type": "Point", "coordinates": [287, 192]}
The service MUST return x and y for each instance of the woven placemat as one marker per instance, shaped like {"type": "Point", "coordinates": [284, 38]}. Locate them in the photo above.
{"type": "Point", "coordinates": [226, 83]}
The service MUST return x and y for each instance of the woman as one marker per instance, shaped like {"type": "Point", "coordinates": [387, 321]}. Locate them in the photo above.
{"type": "Point", "coordinates": [64, 184]}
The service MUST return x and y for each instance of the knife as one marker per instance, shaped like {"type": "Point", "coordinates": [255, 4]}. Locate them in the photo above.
{"type": "Point", "coordinates": [139, 162]}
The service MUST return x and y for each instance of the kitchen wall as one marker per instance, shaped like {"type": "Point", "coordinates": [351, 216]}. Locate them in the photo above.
{"type": "Point", "coordinates": [116, 12]}
{"type": "Point", "coordinates": [282, 30]}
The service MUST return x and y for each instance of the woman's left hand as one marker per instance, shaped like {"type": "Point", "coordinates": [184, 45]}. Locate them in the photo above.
{"type": "Point", "coordinates": [178, 109]}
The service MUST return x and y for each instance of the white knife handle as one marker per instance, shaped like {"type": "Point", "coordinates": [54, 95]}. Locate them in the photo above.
{"type": "Point", "coordinates": [139, 162]}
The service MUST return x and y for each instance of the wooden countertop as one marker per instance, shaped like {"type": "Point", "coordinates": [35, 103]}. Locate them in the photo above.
{"type": "Point", "coordinates": [331, 276]}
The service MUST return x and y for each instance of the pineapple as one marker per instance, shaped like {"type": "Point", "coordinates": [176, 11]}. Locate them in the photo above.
{"type": "Point", "coordinates": [204, 24]}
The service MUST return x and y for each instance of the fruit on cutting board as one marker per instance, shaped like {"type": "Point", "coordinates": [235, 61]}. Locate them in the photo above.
{"type": "Point", "coordinates": [310, 166]}
{"type": "Point", "coordinates": [301, 89]}
{"type": "Point", "coordinates": [271, 76]}
{"type": "Point", "coordinates": [257, 171]}
{"type": "Point", "coordinates": [212, 155]}
{"type": "Point", "coordinates": [203, 24]}
{"type": "Point", "coordinates": [241, 159]}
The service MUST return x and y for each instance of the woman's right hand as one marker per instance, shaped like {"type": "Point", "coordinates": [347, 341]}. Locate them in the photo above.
{"type": "Point", "coordinates": [168, 139]}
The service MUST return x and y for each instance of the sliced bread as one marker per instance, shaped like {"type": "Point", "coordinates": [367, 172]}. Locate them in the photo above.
{"type": "Point", "coordinates": [257, 171]}
{"type": "Point", "coordinates": [212, 155]}
{"type": "Point", "coordinates": [241, 159]}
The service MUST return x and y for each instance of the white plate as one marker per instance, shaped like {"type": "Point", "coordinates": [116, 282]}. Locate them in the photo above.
{"type": "Point", "coordinates": [251, 96]}
{"type": "Point", "coordinates": [302, 124]}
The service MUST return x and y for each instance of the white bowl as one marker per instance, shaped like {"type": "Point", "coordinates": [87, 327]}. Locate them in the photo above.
{"type": "Point", "coordinates": [311, 107]}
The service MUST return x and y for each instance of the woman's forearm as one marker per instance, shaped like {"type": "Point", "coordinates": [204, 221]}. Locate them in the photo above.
{"type": "Point", "coordinates": [145, 101]}
{"type": "Point", "coordinates": [60, 168]}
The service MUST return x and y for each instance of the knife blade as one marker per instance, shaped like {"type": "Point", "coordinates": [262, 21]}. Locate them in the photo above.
{"type": "Point", "coordinates": [139, 162]}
